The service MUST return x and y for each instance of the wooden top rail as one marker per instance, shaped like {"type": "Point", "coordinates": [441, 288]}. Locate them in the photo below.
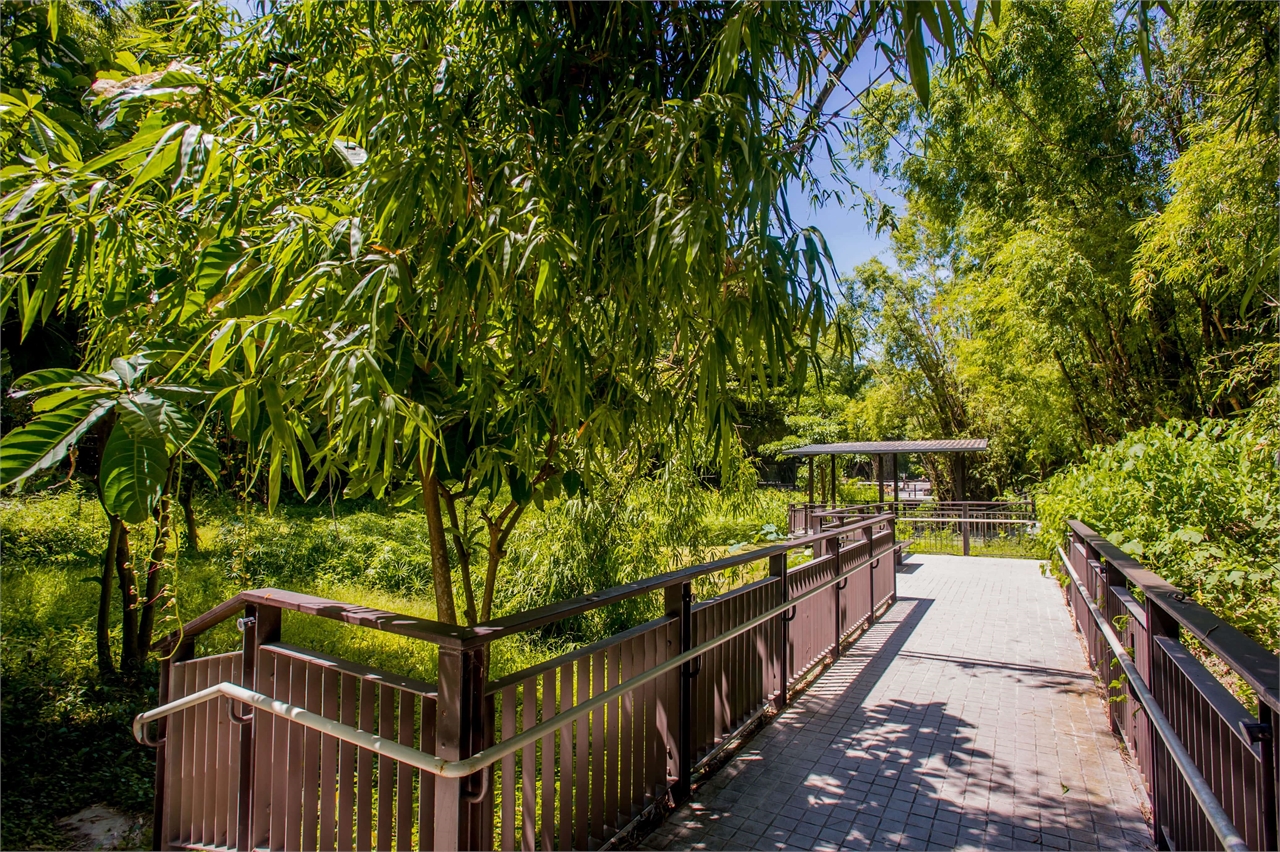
{"type": "Point", "coordinates": [1260, 669]}
{"type": "Point", "coordinates": [537, 617]}
{"type": "Point", "coordinates": [463, 637]}
{"type": "Point", "coordinates": [361, 616]}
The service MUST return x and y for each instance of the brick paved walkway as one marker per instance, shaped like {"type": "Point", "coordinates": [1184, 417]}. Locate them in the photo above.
{"type": "Point", "coordinates": [965, 718]}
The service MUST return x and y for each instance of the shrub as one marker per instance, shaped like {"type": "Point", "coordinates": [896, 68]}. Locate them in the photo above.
{"type": "Point", "coordinates": [1197, 503]}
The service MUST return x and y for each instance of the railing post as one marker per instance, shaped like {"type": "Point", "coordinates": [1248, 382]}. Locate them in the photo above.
{"type": "Point", "coordinates": [460, 731]}
{"type": "Point", "coordinates": [1159, 623]}
{"type": "Point", "coordinates": [1270, 777]}
{"type": "Point", "coordinates": [679, 604]}
{"type": "Point", "coordinates": [869, 534]}
{"type": "Point", "coordinates": [782, 636]}
{"type": "Point", "coordinates": [833, 547]}
{"type": "Point", "coordinates": [895, 560]}
{"type": "Point", "coordinates": [261, 626]}
{"type": "Point", "coordinates": [964, 526]}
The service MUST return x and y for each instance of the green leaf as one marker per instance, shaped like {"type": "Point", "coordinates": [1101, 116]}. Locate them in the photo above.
{"type": "Point", "coordinates": [51, 378]}
{"type": "Point", "coordinates": [133, 474]}
{"type": "Point", "coordinates": [572, 483]}
{"type": "Point", "coordinates": [215, 261]}
{"type": "Point", "coordinates": [142, 415]}
{"type": "Point", "coordinates": [49, 282]}
{"type": "Point", "coordinates": [185, 432]}
{"type": "Point", "coordinates": [45, 441]}
{"type": "Point", "coordinates": [918, 64]}
{"type": "Point", "coordinates": [519, 484]}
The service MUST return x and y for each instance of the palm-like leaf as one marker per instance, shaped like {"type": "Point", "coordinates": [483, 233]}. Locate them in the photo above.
{"type": "Point", "coordinates": [133, 474]}
{"type": "Point", "coordinates": [46, 440]}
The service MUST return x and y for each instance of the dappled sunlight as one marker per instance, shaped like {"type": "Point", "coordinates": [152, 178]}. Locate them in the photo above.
{"type": "Point", "coordinates": [920, 736]}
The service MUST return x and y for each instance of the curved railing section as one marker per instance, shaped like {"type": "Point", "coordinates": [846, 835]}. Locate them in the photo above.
{"type": "Point", "coordinates": [281, 747]}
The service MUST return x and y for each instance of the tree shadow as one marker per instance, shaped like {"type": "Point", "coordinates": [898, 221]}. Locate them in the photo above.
{"type": "Point", "coordinates": [833, 772]}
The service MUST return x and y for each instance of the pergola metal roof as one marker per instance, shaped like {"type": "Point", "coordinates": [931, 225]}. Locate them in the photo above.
{"type": "Point", "coordinates": [871, 448]}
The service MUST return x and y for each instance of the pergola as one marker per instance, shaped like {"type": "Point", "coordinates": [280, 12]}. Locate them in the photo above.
{"type": "Point", "coordinates": [881, 449]}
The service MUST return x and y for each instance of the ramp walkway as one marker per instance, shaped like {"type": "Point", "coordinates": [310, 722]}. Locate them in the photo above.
{"type": "Point", "coordinates": [966, 718]}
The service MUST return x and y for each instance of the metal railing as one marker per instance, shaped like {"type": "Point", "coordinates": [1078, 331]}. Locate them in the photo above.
{"type": "Point", "coordinates": [1213, 810]}
{"type": "Point", "coordinates": [565, 754]}
{"type": "Point", "coordinates": [971, 527]}
{"type": "Point", "coordinates": [1209, 764]}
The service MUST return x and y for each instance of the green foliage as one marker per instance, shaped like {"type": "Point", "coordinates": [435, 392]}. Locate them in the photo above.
{"type": "Point", "coordinates": [632, 530]}
{"type": "Point", "coordinates": [1196, 502]}
{"type": "Point", "coordinates": [1105, 231]}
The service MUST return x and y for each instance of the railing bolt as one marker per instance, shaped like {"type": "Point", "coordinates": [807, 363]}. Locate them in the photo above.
{"type": "Point", "coordinates": [1256, 732]}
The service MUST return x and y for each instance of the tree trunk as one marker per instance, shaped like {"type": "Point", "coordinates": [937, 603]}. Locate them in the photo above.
{"type": "Point", "coordinates": [130, 657]}
{"type": "Point", "coordinates": [106, 667]}
{"type": "Point", "coordinates": [154, 564]}
{"type": "Point", "coordinates": [498, 534]}
{"type": "Point", "coordinates": [441, 574]}
{"type": "Point", "coordinates": [461, 547]}
{"type": "Point", "coordinates": [192, 541]}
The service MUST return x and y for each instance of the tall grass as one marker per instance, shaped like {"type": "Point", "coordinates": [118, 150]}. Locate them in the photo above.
{"type": "Point", "coordinates": [67, 741]}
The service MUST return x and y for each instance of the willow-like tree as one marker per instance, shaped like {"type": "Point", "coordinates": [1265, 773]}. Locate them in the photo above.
{"type": "Point", "coordinates": [465, 254]}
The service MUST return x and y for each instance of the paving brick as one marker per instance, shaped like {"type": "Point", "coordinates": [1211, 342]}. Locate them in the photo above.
{"type": "Point", "coordinates": [956, 721]}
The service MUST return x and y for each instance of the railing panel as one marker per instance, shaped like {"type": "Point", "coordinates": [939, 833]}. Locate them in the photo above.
{"type": "Point", "coordinates": [1208, 720]}
{"type": "Point", "coordinates": [203, 760]}
{"type": "Point", "coordinates": [813, 624]}
{"type": "Point", "coordinates": [311, 792]}
{"type": "Point", "coordinates": [576, 786]}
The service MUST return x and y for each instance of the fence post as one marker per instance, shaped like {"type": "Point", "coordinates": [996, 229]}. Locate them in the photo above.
{"type": "Point", "coordinates": [261, 625]}
{"type": "Point", "coordinates": [1159, 623]}
{"type": "Point", "coordinates": [1270, 777]}
{"type": "Point", "coordinates": [964, 526]}
{"type": "Point", "coordinates": [782, 636]}
{"type": "Point", "coordinates": [679, 604]}
{"type": "Point", "coordinates": [896, 559]}
{"type": "Point", "coordinates": [460, 733]}
{"type": "Point", "coordinates": [833, 548]}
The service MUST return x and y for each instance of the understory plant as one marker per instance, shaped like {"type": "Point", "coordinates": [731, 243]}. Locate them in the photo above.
{"type": "Point", "coordinates": [1194, 502]}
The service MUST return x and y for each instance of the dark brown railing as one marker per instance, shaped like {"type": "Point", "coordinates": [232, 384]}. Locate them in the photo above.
{"type": "Point", "coordinates": [1233, 751]}
{"type": "Point", "coordinates": [969, 527]}
{"type": "Point", "coordinates": [596, 738]}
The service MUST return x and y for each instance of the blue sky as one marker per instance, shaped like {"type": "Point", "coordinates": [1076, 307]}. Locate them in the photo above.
{"type": "Point", "coordinates": [851, 240]}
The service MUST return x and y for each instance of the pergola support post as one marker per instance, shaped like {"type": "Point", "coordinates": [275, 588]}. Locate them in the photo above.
{"type": "Point", "coordinates": [880, 477]}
